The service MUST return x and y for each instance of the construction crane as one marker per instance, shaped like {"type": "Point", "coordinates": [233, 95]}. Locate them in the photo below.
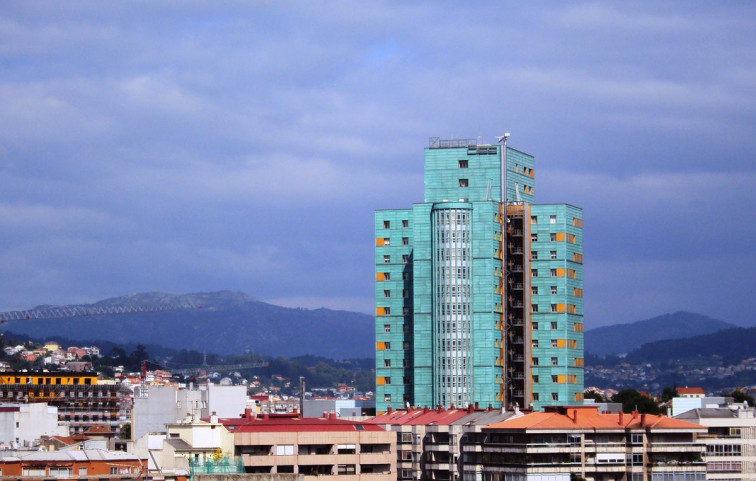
{"type": "Point", "coordinates": [82, 311]}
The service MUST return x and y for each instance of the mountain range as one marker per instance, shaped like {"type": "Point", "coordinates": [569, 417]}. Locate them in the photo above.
{"type": "Point", "coordinates": [623, 338]}
{"type": "Point", "coordinates": [235, 323]}
{"type": "Point", "coordinates": [227, 323]}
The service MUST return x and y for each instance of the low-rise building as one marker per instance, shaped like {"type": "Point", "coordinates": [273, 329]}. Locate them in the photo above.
{"type": "Point", "coordinates": [578, 440]}
{"type": "Point", "coordinates": [730, 441]}
{"type": "Point", "coordinates": [22, 425]}
{"type": "Point", "coordinates": [314, 447]}
{"type": "Point", "coordinates": [84, 463]}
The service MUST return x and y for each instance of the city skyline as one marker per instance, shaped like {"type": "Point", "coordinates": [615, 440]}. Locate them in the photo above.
{"type": "Point", "coordinates": [196, 147]}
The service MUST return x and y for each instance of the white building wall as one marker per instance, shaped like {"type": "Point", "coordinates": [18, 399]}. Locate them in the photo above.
{"type": "Point", "coordinates": [23, 424]}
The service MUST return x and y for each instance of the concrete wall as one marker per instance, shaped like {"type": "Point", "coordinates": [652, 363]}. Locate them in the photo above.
{"type": "Point", "coordinates": [30, 421]}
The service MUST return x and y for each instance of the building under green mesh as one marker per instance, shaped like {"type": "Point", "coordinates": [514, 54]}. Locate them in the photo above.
{"type": "Point", "coordinates": [478, 290]}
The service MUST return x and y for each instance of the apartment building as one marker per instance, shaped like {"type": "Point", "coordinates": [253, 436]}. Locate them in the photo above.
{"type": "Point", "coordinates": [730, 440]}
{"type": "Point", "coordinates": [478, 290]}
{"type": "Point", "coordinates": [81, 400]}
{"type": "Point", "coordinates": [71, 464]}
{"type": "Point", "coordinates": [326, 448]}
{"type": "Point", "coordinates": [430, 442]}
{"type": "Point", "coordinates": [578, 440]}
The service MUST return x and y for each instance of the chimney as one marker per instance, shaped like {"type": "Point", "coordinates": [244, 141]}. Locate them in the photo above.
{"type": "Point", "coordinates": [214, 417]}
{"type": "Point", "coordinates": [425, 410]}
{"type": "Point", "coordinates": [476, 405]}
{"type": "Point", "coordinates": [490, 407]}
{"type": "Point", "coordinates": [575, 416]}
{"type": "Point", "coordinates": [621, 418]}
{"type": "Point", "coordinates": [325, 414]}
{"type": "Point", "coordinates": [248, 413]}
{"type": "Point", "coordinates": [470, 408]}
{"type": "Point", "coordinates": [332, 416]}
{"type": "Point", "coordinates": [643, 420]}
{"type": "Point", "coordinates": [452, 407]}
{"type": "Point", "coordinates": [389, 410]}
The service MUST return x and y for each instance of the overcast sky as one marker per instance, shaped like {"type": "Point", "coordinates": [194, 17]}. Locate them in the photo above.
{"type": "Point", "coordinates": [198, 146]}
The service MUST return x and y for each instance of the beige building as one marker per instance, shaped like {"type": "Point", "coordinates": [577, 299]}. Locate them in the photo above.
{"type": "Point", "coordinates": [326, 448]}
{"type": "Point", "coordinates": [730, 441]}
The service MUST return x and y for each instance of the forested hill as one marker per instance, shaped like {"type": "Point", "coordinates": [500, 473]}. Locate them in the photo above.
{"type": "Point", "coordinates": [227, 323]}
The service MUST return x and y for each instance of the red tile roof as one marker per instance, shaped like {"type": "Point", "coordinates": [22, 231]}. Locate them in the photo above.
{"type": "Point", "coordinates": [588, 417]}
{"type": "Point", "coordinates": [419, 416]}
{"type": "Point", "coordinates": [293, 424]}
{"type": "Point", "coordinates": [690, 390]}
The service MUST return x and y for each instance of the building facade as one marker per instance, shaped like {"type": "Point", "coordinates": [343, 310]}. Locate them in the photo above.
{"type": "Point", "coordinates": [81, 400]}
{"type": "Point", "coordinates": [730, 441]}
{"type": "Point", "coordinates": [478, 290]}
{"type": "Point", "coordinates": [322, 448]}
{"type": "Point", "coordinates": [564, 442]}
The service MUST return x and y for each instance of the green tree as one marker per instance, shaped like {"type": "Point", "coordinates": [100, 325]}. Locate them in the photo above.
{"type": "Point", "coordinates": [595, 395]}
{"type": "Point", "coordinates": [668, 393]}
{"type": "Point", "coordinates": [740, 395]}
{"type": "Point", "coordinates": [633, 400]}
{"type": "Point", "coordinates": [125, 432]}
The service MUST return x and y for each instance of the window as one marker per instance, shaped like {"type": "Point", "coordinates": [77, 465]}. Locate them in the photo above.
{"type": "Point", "coordinates": [637, 459]}
{"type": "Point", "coordinates": [533, 237]}
{"type": "Point", "coordinates": [405, 259]}
{"type": "Point", "coordinates": [535, 361]}
{"type": "Point", "coordinates": [553, 272]}
{"type": "Point", "coordinates": [554, 396]}
{"type": "Point", "coordinates": [552, 219]}
{"type": "Point", "coordinates": [388, 379]}
{"type": "Point", "coordinates": [405, 223]}
{"type": "Point", "coordinates": [554, 361]}
{"type": "Point", "coordinates": [535, 326]}
{"type": "Point", "coordinates": [346, 469]}
{"type": "Point", "coordinates": [554, 378]}
{"type": "Point", "coordinates": [60, 472]}
{"type": "Point", "coordinates": [463, 164]}
{"type": "Point", "coordinates": [284, 450]}
{"type": "Point", "coordinates": [463, 182]}
{"type": "Point", "coordinates": [387, 363]}
{"type": "Point", "coordinates": [552, 237]}
{"type": "Point", "coordinates": [405, 345]}
{"type": "Point", "coordinates": [405, 312]}
{"type": "Point", "coordinates": [535, 343]}
{"type": "Point", "coordinates": [387, 398]}
{"type": "Point", "coordinates": [535, 396]}
{"type": "Point", "coordinates": [386, 224]}
{"type": "Point", "coordinates": [405, 241]}
{"type": "Point", "coordinates": [386, 259]}
{"type": "Point", "coordinates": [387, 345]}
{"type": "Point", "coordinates": [533, 219]}
{"type": "Point", "coordinates": [553, 308]}
{"type": "Point", "coordinates": [535, 378]}
{"type": "Point", "coordinates": [553, 254]}
{"type": "Point", "coordinates": [534, 255]}
{"type": "Point", "coordinates": [405, 293]}
{"type": "Point", "coordinates": [534, 308]}
{"type": "Point", "coordinates": [553, 290]}
{"type": "Point", "coordinates": [386, 293]}
{"type": "Point", "coordinates": [533, 272]}
{"type": "Point", "coordinates": [386, 241]}
{"type": "Point", "coordinates": [387, 328]}
{"type": "Point", "coordinates": [636, 438]}
{"type": "Point", "coordinates": [553, 325]}
{"type": "Point", "coordinates": [554, 343]}
{"type": "Point", "coordinates": [534, 290]}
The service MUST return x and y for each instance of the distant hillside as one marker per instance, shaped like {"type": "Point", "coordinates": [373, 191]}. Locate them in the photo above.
{"type": "Point", "coordinates": [624, 338]}
{"type": "Point", "coordinates": [227, 323]}
{"type": "Point", "coordinates": [729, 346]}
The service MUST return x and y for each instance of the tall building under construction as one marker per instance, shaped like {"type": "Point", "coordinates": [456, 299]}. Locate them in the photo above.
{"type": "Point", "coordinates": [478, 290]}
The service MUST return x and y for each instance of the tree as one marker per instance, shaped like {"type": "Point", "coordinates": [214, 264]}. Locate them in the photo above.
{"type": "Point", "coordinates": [740, 395]}
{"type": "Point", "coordinates": [125, 432]}
{"type": "Point", "coordinates": [632, 400]}
{"type": "Point", "coordinates": [595, 395]}
{"type": "Point", "coordinates": [668, 393]}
